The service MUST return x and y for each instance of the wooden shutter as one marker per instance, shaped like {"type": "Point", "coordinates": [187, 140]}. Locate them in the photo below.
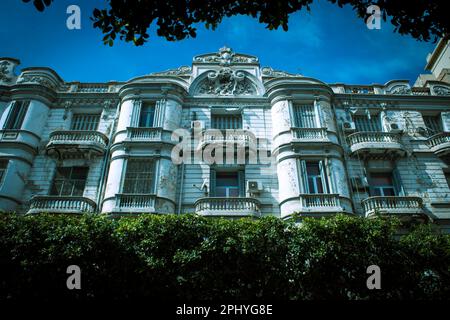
{"type": "Point", "coordinates": [304, 174]}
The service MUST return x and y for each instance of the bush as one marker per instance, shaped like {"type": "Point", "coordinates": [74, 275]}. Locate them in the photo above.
{"type": "Point", "coordinates": [189, 257]}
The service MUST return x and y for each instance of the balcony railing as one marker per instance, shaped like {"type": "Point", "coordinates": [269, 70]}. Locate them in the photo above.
{"type": "Point", "coordinates": [376, 143]}
{"type": "Point", "coordinates": [79, 142]}
{"type": "Point", "coordinates": [135, 202]}
{"type": "Point", "coordinates": [320, 201]}
{"type": "Point", "coordinates": [440, 143]}
{"type": "Point", "coordinates": [61, 204]}
{"type": "Point", "coordinates": [393, 205]}
{"type": "Point", "coordinates": [144, 134]}
{"type": "Point", "coordinates": [309, 134]}
{"type": "Point", "coordinates": [228, 206]}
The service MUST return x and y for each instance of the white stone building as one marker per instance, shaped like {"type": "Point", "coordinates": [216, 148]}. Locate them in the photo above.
{"type": "Point", "coordinates": [309, 147]}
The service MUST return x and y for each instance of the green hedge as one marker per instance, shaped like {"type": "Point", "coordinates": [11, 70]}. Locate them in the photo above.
{"type": "Point", "coordinates": [189, 257]}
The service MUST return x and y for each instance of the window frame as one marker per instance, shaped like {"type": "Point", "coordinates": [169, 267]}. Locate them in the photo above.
{"type": "Point", "coordinates": [16, 115]}
{"type": "Point", "coordinates": [3, 170]}
{"type": "Point", "coordinates": [68, 180]}
{"type": "Point", "coordinates": [123, 186]}
{"type": "Point", "coordinates": [88, 125]}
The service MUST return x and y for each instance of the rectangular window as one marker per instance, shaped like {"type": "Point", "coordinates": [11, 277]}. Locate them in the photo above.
{"type": "Point", "coordinates": [16, 115]}
{"type": "Point", "coordinates": [147, 116]}
{"type": "Point", "coordinates": [433, 124]}
{"type": "Point", "coordinates": [314, 177]}
{"type": "Point", "coordinates": [227, 183]}
{"type": "Point", "coordinates": [364, 124]}
{"type": "Point", "coordinates": [3, 167]}
{"type": "Point", "coordinates": [69, 181]}
{"type": "Point", "coordinates": [139, 176]}
{"type": "Point", "coordinates": [85, 122]}
{"type": "Point", "coordinates": [304, 116]}
{"type": "Point", "coordinates": [382, 185]}
{"type": "Point", "coordinates": [226, 121]}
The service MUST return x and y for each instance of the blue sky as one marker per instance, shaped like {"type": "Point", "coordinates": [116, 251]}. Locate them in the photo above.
{"type": "Point", "coordinates": [329, 43]}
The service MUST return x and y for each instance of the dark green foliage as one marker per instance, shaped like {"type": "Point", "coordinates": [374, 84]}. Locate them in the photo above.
{"type": "Point", "coordinates": [189, 257]}
{"type": "Point", "coordinates": [177, 20]}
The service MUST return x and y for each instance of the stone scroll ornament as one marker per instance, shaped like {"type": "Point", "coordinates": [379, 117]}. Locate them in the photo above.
{"type": "Point", "coordinates": [227, 82]}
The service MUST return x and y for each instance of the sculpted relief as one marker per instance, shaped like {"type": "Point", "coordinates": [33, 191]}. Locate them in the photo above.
{"type": "Point", "coordinates": [226, 82]}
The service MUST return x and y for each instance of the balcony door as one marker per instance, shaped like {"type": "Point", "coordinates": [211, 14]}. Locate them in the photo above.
{"type": "Point", "coordinates": [433, 124]}
{"type": "Point", "coordinates": [85, 122]}
{"type": "Point", "coordinates": [385, 184]}
{"type": "Point", "coordinates": [314, 177]}
{"type": "Point", "coordinates": [226, 121]}
{"type": "Point", "coordinates": [366, 124]}
{"type": "Point", "coordinates": [305, 116]}
{"type": "Point", "coordinates": [139, 176]}
{"type": "Point", "coordinates": [227, 184]}
{"type": "Point", "coordinates": [69, 181]}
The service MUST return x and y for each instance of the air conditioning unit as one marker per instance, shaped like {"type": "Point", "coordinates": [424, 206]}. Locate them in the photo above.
{"type": "Point", "coordinates": [254, 186]}
{"type": "Point", "coordinates": [348, 126]}
{"type": "Point", "coordinates": [395, 128]}
{"type": "Point", "coordinates": [197, 125]}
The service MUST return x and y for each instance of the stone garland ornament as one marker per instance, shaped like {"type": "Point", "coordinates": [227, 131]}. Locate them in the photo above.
{"type": "Point", "coordinates": [36, 79]}
{"type": "Point", "coordinates": [441, 91]}
{"type": "Point", "coordinates": [227, 82]}
{"type": "Point", "coordinates": [401, 90]}
{"type": "Point", "coordinates": [269, 72]}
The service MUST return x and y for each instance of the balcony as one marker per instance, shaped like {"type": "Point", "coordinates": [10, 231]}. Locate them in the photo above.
{"type": "Point", "coordinates": [135, 203]}
{"type": "Point", "coordinates": [320, 203]}
{"type": "Point", "coordinates": [73, 144]}
{"type": "Point", "coordinates": [144, 134]}
{"type": "Point", "coordinates": [309, 135]}
{"type": "Point", "coordinates": [228, 207]}
{"type": "Point", "coordinates": [376, 145]}
{"type": "Point", "coordinates": [402, 206]}
{"type": "Point", "coordinates": [440, 144]}
{"type": "Point", "coordinates": [61, 204]}
{"type": "Point", "coordinates": [239, 137]}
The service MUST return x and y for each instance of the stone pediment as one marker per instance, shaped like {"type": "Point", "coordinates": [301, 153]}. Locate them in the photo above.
{"type": "Point", "coordinates": [226, 57]}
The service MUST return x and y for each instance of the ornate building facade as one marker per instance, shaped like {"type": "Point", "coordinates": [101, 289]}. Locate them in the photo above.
{"type": "Point", "coordinates": [225, 137]}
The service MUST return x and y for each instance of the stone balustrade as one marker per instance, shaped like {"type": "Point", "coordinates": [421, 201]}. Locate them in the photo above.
{"type": "Point", "coordinates": [392, 205]}
{"type": "Point", "coordinates": [440, 144]}
{"type": "Point", "coordinates": [215, 206]}
{"type": "Point", "coordinates": [376, 144]}
{"type": "Point", "coordinates": [144, 134]}
{"type": "Point", "coordinates": [309, 134]}
{"type": "Point", "coordinates": [135, 203]}
{"type": "Point", "coordinates": [61, 204]}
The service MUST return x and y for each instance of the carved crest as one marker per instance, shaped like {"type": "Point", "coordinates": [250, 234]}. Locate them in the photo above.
{"type": "Point", "coordinates": [227, 82]}
{"type": "Point", "coordinates": [225, 57]}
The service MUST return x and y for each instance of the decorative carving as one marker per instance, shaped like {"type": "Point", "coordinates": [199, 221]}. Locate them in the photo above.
{"type": "Point", "coordinates": [441, 91]}
{"type": "Point", "coordinates": [4, 72]}
{"type": "Point", "coordinates": [226, 57]}
{"type": "Point", "coordinates": [282, 110]}
{"type": "Point", "coordinates": [181, 71]}
{"type": "Point", "coordinates": [269, 72]}
{"type": "Point", "coordinates": [36, 79]}
{"type": "Point", "coordinates": [227, 82]}
{"type": "Point", "coordinates": [400, 89]}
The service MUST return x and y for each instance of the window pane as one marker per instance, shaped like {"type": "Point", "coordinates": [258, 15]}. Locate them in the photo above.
{"type": "Point", "coordinates": [363, 123]}
{"type": "Point", "coordinates": [147, 116]}
{"type": "Point", "coordinates": [16, 115]}
{"type": "Point", "coordinates": [433, 124]}
{"type": "Point", "coordinates": [69, 181]}
{"type": "Point", "coordinates": [226, 121]}
{"type": "Point", "coordinates": [85, 122]}
{"type": "Point", "coordinates": [139, 176]}
{"type": "Point", "coordinates": [305, 116]}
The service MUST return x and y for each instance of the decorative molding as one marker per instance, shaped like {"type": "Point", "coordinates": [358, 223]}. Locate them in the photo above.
{"type": "Point", "coordinates": [226, 57]}
{"type": "Point", "coordinates": [441, 91]}
{"type": "Point", "coordinates": [36, 80]}
{"type": "Point", "coordinates": [180, 71]}
{"type": "Point", "coordinates": [226, 82]}
{"type": "Point", "coordinates": [4, 72]}
{"type": "Point", "coordinates": [269, 72]}
{"type": "Point", "coordinates": [401, 89]}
